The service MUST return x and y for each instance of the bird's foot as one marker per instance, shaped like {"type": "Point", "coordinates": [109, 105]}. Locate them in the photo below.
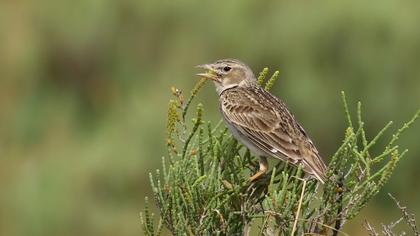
{"type": "Point", "coordinates": [263, 169]}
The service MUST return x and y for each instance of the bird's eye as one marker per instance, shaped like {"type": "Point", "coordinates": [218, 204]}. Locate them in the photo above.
{"type": "Point", "coordinates": [227, 68]}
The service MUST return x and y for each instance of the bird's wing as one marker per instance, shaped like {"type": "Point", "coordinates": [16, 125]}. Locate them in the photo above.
{"type": "Point", "coordinates": [267, 123]}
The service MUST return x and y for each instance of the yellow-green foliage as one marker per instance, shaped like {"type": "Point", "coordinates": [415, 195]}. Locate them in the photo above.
{"type": "Point", "coordinates": [205, 189]}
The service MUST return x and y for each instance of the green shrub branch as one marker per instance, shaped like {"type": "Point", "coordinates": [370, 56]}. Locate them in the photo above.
{"type": "Point", "coordinates": [204, 188]}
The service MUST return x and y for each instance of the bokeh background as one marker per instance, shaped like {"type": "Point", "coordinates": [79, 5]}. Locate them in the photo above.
{"type": "Point", "coordinates": [84, 87]}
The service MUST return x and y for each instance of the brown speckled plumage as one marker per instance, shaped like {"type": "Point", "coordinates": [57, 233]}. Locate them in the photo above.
{"type": "Point", "coordinates": [270, 127]}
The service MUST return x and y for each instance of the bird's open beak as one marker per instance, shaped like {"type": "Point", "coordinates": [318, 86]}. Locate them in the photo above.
{"type": "Point", "coordinates": [209, 74]}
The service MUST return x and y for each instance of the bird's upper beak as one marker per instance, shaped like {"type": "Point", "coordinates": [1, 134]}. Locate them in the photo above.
{"type": "Point", "coordinates": [210, 72]}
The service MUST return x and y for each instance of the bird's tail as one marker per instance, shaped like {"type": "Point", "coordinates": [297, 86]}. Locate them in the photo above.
{"type": "Point", "coordinates": [316, 167]}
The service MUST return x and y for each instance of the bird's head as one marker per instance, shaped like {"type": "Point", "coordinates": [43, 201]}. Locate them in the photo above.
{"type": "Point", "coordinates": [227, 73]}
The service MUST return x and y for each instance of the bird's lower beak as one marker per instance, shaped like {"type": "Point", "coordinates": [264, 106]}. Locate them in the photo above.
{"type": "Point", "coordinates": [209, 74]}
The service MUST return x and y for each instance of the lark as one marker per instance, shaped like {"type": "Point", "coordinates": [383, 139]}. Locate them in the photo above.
{"type": "Point", "coordinates": [260, 121]}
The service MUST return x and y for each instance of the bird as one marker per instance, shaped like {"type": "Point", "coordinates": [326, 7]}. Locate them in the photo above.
{"type": "Point", "coordinates": [261, 121]}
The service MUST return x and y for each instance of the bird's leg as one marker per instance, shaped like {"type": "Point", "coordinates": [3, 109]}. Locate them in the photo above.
{"type": "Point", "coordinates": [263, 169]}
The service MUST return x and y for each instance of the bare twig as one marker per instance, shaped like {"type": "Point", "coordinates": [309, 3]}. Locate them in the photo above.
{"type": "Point", "coordinates": [370, 229]}
{"type": "Point", "coordinates": [409, 218]}
{"type": "Point", "coordinates": [386, 230]}
{"type": "Point", "coordinates": [298, 210]}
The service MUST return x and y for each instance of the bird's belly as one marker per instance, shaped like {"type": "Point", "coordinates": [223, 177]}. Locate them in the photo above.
{"type": "Point", "coordinates": [244, 140]}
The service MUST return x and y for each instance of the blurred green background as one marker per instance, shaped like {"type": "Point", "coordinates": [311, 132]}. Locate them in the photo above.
{"type": "Point", "coordinates": [84, 87]}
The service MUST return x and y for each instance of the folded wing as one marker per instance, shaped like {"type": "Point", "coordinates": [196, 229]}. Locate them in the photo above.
{"type": "Point", "coordinates": [267, 123]}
